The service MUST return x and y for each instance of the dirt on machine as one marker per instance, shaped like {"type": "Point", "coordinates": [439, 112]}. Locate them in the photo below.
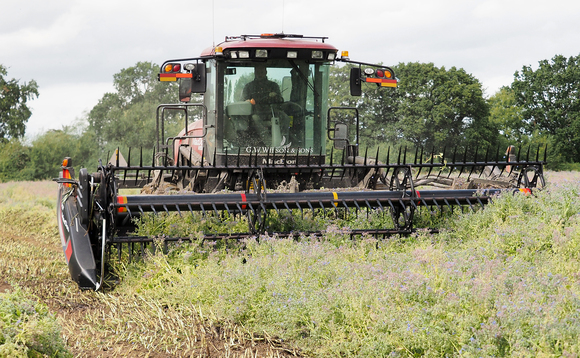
{"type": "Point", "coordinates": [259, 136]}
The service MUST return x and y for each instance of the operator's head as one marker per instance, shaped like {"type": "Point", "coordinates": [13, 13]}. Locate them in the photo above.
{"type": "Point", "coordinates": [260, 71]}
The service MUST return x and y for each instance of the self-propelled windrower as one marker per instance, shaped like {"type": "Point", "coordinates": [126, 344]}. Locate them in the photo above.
{"type": "Point", "coordinates": [259, 144]}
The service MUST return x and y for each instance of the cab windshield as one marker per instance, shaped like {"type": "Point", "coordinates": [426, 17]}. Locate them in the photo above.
{"type": "Point", "coordinates": [276, 107]}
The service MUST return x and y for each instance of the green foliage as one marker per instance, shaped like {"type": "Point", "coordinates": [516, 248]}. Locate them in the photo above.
{"type": "Point", "coordinates": [27, 329]}
{"type": "Point", "coordinates": [550, 102]}
{"type": "Point", "coordinates": [14, 112]}
{"type": "Point", "coordinates": [14, 161]}
{"type": "Point", "coordinates": [432, 108]}
{"type": "Point", "coordinates": [189, 226]}
{"type": "Point", "coordinates": [377, 111]}
{"type": "Point", "coordinates": [501, 284]}
{"type": "Point", "coordinates": [508, 117]}
{"type": "Point", "coordinates": [49, 149]}
{"type": "Point", "coordinates": [127, 117]}
{"type": "Point", "coordinates": [42, 160]}
{"type": "Point", "coordinates": [442, 108]}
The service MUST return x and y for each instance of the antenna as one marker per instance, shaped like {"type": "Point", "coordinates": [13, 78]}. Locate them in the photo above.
{"type": "Point", "coordinates": [212, 23]}
{"type": "Point", "coordinates": [283, 8]}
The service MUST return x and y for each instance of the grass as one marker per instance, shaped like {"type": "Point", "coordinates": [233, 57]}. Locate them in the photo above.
{"type": "Point", "coordinates": [27, 234]}
{"type": "Point", "coordinates": [28, 329]}
{"type": "Point", "coordinates": [503, 282]}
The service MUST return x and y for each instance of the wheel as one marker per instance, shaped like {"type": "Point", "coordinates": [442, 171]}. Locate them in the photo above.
{"type": "Point", "coordinates": [402, 214]}
{"type": "Point", "coordinates": [256, 215]}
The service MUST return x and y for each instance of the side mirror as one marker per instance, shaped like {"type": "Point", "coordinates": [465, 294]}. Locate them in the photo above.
{"type": "Point", "coordinates": [355, 82]}
{"type": "Point", "coordinates": [195, 84]}
{"type": "Point", "coordinates": [340, 136]}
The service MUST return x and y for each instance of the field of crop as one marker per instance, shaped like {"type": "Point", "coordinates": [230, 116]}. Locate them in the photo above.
{"type": "Point", "coordinates": [504, 281]}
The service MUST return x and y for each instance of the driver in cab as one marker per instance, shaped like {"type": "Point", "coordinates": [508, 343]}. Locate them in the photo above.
{"type": "Point", "coordinates": [261, 91]}
{"type": "Point", "coordinates": [269, 120]}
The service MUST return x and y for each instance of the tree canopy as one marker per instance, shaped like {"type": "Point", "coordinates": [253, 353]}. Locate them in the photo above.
{"type": "Point", "coordinates": [127, 117]}
{"type": "Point", "coordinates": [550, 99]}
{"type": "Point", "coordinates": [14, 111]}
{"type": "Point", "coordinates": [507, 116]}
{"type": "Point", "coordinates": [431, 108]}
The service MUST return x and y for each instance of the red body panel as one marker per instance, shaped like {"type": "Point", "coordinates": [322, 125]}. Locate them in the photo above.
{"type": "Point", "coordinates": [193, 129]}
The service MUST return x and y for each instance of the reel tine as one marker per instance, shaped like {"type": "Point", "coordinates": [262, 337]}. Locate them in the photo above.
{"type": "Point", "coordinates": [399, 157]}
{"type": "Point", "coordinates": [345, 206]}
{"type": "Point", "coordinates": [458, 204]}
{"type": "Point", "coordinates": [453, 163]}
{"type": "Point", "coordinates": [470, 205]}
{"type": "Point", "coordinates": [380, 205]}
{"type": "Point", "coordinates": [480, 202]}
{"type": "Point", "coordinates": [485, 161]}
{"type": "Point", "coordinates": [528, 154]}
{"type": "Point", "coordinates": [357, 206]}
{"type": "Point", "coordinates": [442, 162]}
{"type": "Point", "coordinates": [474, 161]}
{"type": "Point", "coordinates": [420, 166]}
{"type": "Point", "coordinates": [447, 203]}
{"type": "Point", "coordinates": [140, 165]}
{"type": "Point", "coordinates": [323, 208]}
{"type": "Point", "coordinates": [342, 165]}
{"type": "Point", "coordinates": [416, 152]}
{"type": "Point", "coordinates": [464, 162]}
{"type": "Point", "coordinates": [287, 207]}
{"type": "Point", "coordinates": [438, 206]}
{"type": "Point", "coordinates": [310, 206]}
{"type": "Point", "coordinates": [227, 209]}
{"type": "Point", "coordinates": [431, 160]}
{"type": "Point", "coordinates": [178, 211]}
{"type": "Point", "coordinates": [300, 208]}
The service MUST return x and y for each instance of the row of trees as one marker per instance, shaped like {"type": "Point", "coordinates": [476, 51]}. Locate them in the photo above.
{"type": "Point", "coordinates": [433, 107]}
{"type": "Point", "coordinates": [438, 107]}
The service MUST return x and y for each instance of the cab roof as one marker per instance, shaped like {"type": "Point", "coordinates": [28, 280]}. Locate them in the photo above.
{"type": "Point", "coordinates": [271, 41]}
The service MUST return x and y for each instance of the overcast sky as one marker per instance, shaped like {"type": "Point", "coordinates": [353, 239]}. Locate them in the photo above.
{"type": "Point", "coordinates": [72, 48]}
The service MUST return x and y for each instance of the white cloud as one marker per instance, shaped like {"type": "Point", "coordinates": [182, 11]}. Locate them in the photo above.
{"type": "Point", "coordinates": [74, 47]}
{"type": "Point", "coordinates": [29, 37]}
{"type": "Point", "coordinates": [60, 105]}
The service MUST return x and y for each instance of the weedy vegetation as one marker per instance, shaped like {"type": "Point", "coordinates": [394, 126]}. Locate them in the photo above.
{"type": "Point", "coordinates": [28, 329]}
{"type": "Point", "coordinates": [503, 281]}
